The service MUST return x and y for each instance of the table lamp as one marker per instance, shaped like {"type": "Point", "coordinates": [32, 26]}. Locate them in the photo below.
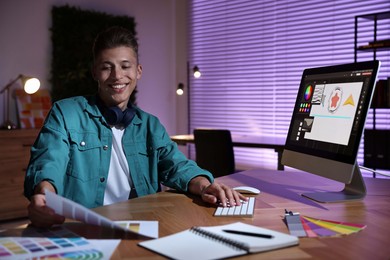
{"type": "Point", "coordinates": [30, 86]}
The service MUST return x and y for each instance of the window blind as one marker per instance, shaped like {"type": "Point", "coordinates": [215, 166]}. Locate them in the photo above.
{"type": "Point", "coordinates": [252, 54]}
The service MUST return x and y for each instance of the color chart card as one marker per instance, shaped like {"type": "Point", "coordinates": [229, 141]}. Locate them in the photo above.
{"type": "Point", "coordinates": [142, 227]}
{"type": "Point", "coordinates": [304, 226]}
{"type": "Point", "coordinates": [58, 243]}
{"type": "Point", "coordinates": [323, 227]}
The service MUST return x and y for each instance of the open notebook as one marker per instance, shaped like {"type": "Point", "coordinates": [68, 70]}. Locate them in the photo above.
{"type": "Point", "coordinates": [214, 242]}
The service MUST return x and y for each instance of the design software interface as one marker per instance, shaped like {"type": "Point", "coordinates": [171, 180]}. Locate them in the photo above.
{"type": "Point", "coordinates": [330, 110]}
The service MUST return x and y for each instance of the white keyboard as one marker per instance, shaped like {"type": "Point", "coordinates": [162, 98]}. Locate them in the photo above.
{"type": "Point", "coordinates": [246, 209]}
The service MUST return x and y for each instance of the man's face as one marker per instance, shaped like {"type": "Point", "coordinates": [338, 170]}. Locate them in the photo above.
{"type": "Point", "coordinates": [117, 72]}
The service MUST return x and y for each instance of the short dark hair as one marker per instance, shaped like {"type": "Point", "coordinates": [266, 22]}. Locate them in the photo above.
{"type": "Point", "coordinates": [113, 37]}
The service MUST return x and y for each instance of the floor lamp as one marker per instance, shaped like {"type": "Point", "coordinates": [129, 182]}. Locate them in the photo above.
{"type": "Point", "coordinates": [180, 91]}
{"type": "Point", "coordinates": [30, 86]}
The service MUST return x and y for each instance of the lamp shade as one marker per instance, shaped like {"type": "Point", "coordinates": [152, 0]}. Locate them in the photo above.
{"type": "Point", "coordinates": [31, 85]}
{"type": "Point", "coordinates": [180, 89]}
{"type": "Point", "coordinates": [197, 73]}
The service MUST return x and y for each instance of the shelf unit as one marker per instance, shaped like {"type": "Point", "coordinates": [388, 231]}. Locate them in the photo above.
{"type": "Point", "coordinates": [369, 40]}
{"type": "Point", "coordinates": [375, 45]}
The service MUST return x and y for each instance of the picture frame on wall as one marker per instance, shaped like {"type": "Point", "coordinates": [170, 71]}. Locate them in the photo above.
{"type": "Point", "coordinates": [32, 109]}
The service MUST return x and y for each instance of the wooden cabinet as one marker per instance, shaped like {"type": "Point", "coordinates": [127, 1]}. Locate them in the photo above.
{"type": "Point", "coordinates": [15, 148]}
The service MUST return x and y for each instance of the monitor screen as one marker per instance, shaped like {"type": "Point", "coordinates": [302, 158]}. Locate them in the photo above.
{"type": "Point", "coordinates": [328, 121]}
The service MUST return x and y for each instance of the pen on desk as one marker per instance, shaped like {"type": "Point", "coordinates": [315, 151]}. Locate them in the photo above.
{"type": "Point", "coordinates": [247, 233]}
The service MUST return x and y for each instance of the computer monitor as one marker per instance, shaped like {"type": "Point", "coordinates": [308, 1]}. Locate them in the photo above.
{"type": "Point", "coordinates": [327, 124]}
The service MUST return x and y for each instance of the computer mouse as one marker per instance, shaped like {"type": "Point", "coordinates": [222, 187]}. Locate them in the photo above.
{"type": "Point", "coordinates": [246, 190]}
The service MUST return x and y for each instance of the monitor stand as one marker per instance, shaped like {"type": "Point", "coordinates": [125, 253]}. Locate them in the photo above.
{"type": "Point", "coordinates": [355, 190]}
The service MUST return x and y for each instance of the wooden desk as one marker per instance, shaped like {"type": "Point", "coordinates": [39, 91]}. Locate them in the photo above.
{"type": "Point", "coordinates": [176, 212]}
{"type": "Point", "coordinates": [244, 141]}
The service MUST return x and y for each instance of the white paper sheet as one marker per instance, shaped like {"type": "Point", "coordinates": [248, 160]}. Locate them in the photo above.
{"type": "Point", "coordinates": [73, 210]}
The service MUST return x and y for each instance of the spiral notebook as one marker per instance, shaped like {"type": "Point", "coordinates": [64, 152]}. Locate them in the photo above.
{"type": "Point", "coordinates": [218, 242]}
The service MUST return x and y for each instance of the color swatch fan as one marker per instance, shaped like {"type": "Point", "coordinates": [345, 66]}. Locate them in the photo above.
{"type": "Point", "coordinates": [304, 226]}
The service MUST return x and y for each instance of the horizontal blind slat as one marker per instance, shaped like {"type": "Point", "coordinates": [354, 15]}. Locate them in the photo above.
{"type": "Point", "coordinates": [252, 54]}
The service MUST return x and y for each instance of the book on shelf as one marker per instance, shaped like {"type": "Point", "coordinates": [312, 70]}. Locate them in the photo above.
{"type": "Point", "coordinates": [376, 44]}
{"type": "Point", "coordinates": [384, 42]}
{"type": "Point", "coordinates": [219, 242]}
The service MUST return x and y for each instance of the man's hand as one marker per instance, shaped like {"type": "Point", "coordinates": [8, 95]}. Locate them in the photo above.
{"type": "Point", "coordinates": [40, 214]}
{"type": "Point", "coordinates": [214, 193]}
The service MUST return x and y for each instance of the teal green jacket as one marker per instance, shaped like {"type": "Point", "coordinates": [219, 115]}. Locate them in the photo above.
{"type": "Point", "coordinates": [73, 151]}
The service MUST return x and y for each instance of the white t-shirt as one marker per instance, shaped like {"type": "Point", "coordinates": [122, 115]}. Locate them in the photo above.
{"type": "Point", "coordinates": [118, 182]}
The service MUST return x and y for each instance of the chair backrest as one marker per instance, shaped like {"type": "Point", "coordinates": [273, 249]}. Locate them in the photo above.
{"type": "Point", "coordinates": [214, 151]}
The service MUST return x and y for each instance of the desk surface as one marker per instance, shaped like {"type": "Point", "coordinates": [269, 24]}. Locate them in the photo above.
{"type": "Point", "coordinates": [279, 190]}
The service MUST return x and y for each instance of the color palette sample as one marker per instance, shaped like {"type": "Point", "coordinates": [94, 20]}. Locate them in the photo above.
{"type": "Point", "coordinates": [304, 226]}
{"type": "Point", "coordinates": [308, 92]}
{"type": "Point", "coordinates": [90, 254]}
{"type": "Point", "coordinates": [38, 243]}
{"type": "Point", "coordinates": [323, 227]}
{"type": "Point", "coordinates": [147, 228]}
{"type": "Point", "coordinates": [295, 225]}
{"type": "Point", "coordinates": [304, 107]}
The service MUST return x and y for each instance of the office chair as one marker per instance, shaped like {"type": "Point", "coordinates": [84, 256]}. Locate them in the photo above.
{"type": "Point", "coordinates": [214, 151]}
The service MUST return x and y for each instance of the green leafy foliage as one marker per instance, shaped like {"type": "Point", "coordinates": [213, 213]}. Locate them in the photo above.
{"type": "Point", "coordinates": [72, 33]}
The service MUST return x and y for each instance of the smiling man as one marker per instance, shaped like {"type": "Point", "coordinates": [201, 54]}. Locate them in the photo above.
{"type": "Point", "coordinates": [97, 150]}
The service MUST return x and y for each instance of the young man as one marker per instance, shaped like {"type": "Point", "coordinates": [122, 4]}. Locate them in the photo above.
{"type": "Point", "coordinates": [99, 150]}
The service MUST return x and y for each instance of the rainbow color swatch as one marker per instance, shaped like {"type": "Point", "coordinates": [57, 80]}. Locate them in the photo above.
{"type": "Point", "coordinates": [314, 227]}
{"type": "Point", "coordinates": [332, 228]}
{"type": "Point", "coordinates": [90, 254]}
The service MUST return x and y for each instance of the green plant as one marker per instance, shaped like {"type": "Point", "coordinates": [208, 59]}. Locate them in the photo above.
{"type": "Point", "coordinates": [72, 33]}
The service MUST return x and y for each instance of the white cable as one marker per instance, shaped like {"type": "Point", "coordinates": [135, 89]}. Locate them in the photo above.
{"type": "Point", "coordinates": [374, 171]}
